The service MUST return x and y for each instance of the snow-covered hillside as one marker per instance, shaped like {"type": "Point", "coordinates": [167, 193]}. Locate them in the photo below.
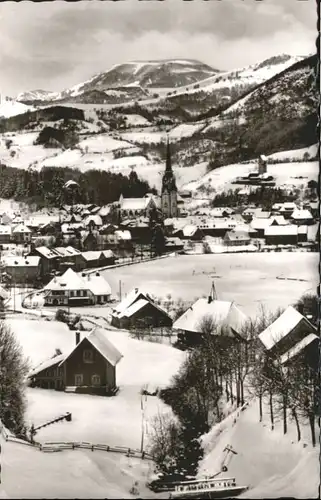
{"type": "Point", "coordinates": [37, 95]}
{"type": "Point", "coordinates": [13, 108]}
{"type": "Point", "coordinates": [271, 464]}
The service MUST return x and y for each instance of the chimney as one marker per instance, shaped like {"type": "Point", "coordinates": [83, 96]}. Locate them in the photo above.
{"type": "Point", "coordinates": [136, 290]}
{"type": "Point", "coordinates": [77, 337]}
{"type": "Point", "coordinates": [209, 300]}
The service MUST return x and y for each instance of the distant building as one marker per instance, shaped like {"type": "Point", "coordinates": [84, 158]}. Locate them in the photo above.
{"type": "Point", "coordinates": [281, 235]}
{"type": "Point", "coordinates": [71, 289]}
{"type": "Point", "coordinates": [302, 217]}
{"type": "Point", "coordinates": [5, 233]}
{"type": "Point", "coordinates": [89, 368]}
{"type": "Point", "coordinates": [21, 234]}
{"type": "Point", "coordinates": [169, 203]}
{"type": "Point", "coordinates": [135, 207]}
{"type": "Point", "coordinates": [237, 238]}
{"type": "Point", "coordinates": [22, 270]}
{"type": "Point", "coordinates": [138, 309]}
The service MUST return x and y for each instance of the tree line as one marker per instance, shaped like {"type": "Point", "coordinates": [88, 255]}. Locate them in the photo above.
{"type": "Point", "coordinates": [46, 187]}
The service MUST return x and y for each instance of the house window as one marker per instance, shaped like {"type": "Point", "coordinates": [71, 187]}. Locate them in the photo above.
{"type": "Point", "coordinates": [95, 380]}
{"type": "Point", "coordinates": [79, 379]}
{"type": "Point", "coordinates": [88, 356]}
{"type": "Point", "coordinates": [78, 293]}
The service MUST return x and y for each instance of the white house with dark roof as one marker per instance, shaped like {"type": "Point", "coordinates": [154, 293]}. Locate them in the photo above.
{"type": "Point", "coordinates": [22, 269]}
{"type": "Point", "coordinates": [72, 289]}
{"type": "Point", "coordinates": [21, 233]}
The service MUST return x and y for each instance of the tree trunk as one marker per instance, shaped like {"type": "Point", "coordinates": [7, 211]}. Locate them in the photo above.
{"type": "Point", "coordinates": [226, 391]}
{"type": "Point", "coordinates": [295, 416]}
{"type": "Point", "coordinates": [285, 424]}
{"type": "Point", "coordinates": [260, 406]}
{"type": "Point", "coordinates": [312, 426]}
{"type": "Point", "coordinates": [242, 391]}
{"type": "Point", "coordinates": [271, 411]}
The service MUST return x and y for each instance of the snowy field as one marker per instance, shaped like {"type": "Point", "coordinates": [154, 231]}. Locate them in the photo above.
{"type": "Point", "coordinates": [247, 279]}
{"type": "Point", "coordinates": [28, 473]}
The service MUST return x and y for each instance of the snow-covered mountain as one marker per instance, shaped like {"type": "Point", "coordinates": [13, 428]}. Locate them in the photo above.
{"type": "Point", "coordinates": [37, 95]}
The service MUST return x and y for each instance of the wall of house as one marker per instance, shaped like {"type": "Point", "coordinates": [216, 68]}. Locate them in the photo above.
{"type": "Point", "coordinates": [148, 316]}
{"type": "Point", "coordinates": [281, 240]}
{"type": "Point", "coordinates": [50, 378]}
{"type": "Point", "coordinates": [23, 274]}
{"type": "Point", "coordinates": [75, 364]}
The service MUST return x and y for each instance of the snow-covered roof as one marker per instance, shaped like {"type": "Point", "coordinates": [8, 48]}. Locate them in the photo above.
{"type": "Point", "coordinates": [301, 215]}
{"type": "Point", "coordinates": [261, 223]}
{"type": "Point", "coordinates": [237, 236]}
{"type": "Point", "coordinates": [5, 229]}
{"type": "Point", "coordinates": [91, 255]}
{"type": "Point", "coordinates": [3, 293]}
{"type": "Point", "coordinates": [224, 313]}
{"type": "Point", "coordinates": [136, 306]}
{"type": "Point", "coordinates": [68, 281]}
{"type": "Point", "coordinates": [282, 326]}
{"type": "Point", "coordinates": [130, 298]}
{"type": "Point", "coordinates": [108, 254]}
{"type": "Point", "coordinates": [299, 347]}
{"type": "Point", "coordinates": [46, 252]}
{"type": "Point", "coordinates": [135, 203]}
{"type": "Point", "coordinates": [70, 227]}
{"type": "Point", "coordinates": [98, 285]}
{"type": "Point", "coordinates": [21, 228]}
{"type": "Point", "coordinates": [289, 230]}
{"type": "Point", "coordinates": [67, 251]}
{"type": "Point", "coordinates": [189, 230]}
{"type": "Point", "coordinates": [104, 210]}
{"type": "Point", "coordinates": [48, 363]}
{"type": "Point", "coordinates": [287, 206]}
{"type": "Point", "coordinates": [280, 220]}
{"type": "Point", "coordinates": [99, 341]}
{"type": "Point", "coordinates": [17, 261]}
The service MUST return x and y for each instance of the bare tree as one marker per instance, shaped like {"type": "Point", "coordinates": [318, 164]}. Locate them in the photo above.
{"type": "Point", "coordinates": [164, 441]}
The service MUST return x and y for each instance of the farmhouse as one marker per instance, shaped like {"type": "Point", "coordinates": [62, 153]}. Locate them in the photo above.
{"type": "Point", "coordinates": [139, 309]}
{"type": "Point", "coordinates": [49, 259]}
{"type": "Point", "coordinates": [70, 257]}
{"type": "Point", "coordinates": [225, 317]}
{"type": "Point", "coordinates": [90, 367]}
{"type": "Point", "coordinates": [5, 233]}
{"type": "Point", "coordinates": [281, 235]}
{"type": "Point", "coordinates": [70, 289]}
{"type": "Point", "coordinates": [98, 258]}
{"type": "Point", "coordinates": [22, 269]}
{"type": "Point", "coordinates": [21, 234]}
{"type": "Point", "coordinates": [289, 336]}
{"type": "Point", "coordinates": [302, 217]}
{"type": "Point", "coordinates": [237, 238]}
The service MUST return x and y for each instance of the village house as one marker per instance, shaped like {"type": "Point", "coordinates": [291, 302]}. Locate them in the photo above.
{"type": "Point", "coordinates": [302, 217]}
{"type": "Point", "coordinates": [93, 222]}
{"type": "Point", "coordinates": [136, 207]}
{"type": "Point", "coordinates": [282, 235]}
{"type": "Point", "coordinates": [189, 232]}
{"type": "Point", "coordinates": [99, 258]}
{"type": "Point", "coordinates": [286, 209]}
{"type": "Point", "coordinates": [89, 368]}
{"type": "Point", "coordinates": [139, 229]}
{"type": "Point", "coordinates": [21, 234]}
{"type": "Point", "coordinates": [173, 244]}
{"type": "Point", "coordinates": [228, 320]}
{"type": "Point", "coordinates": [70, 289]}
{"type": "Point", "coordinates": [237, 238]}
{"type": "Point", "coordinates": [138, 309]}
{"type": "Point", "coordinates": [291, 335]}
{"type": "Point", "coordinates": [70, 257]}
{"type": "Point", "coordinates": [22, 270]}
{"type": "Point", "coordinates": [49, 259]}
{"type": "Point", "coordinates": [90, 240]}
{"type": "Point", "coordinates": [5, 233]}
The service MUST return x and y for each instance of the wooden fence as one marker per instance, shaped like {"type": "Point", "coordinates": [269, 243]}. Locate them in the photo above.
{"type": "Point", "coordinates": [61, 445]}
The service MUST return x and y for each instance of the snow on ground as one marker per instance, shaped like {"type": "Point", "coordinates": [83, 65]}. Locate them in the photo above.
{"type": "Point", "coordinates": [22, 153]}
{"type": "Point", "coordinates": [285, 173]}
{"type": "Point", "coordinates": [136, 121]}
{"type": "Point", "coordinates": [143, 137]}
{"type": "Point", "coordinates": [102, 143]}
{"type": "Point", "coordinates": [185, 130]}
{"type": "Point", "coordinates": [270, 463]}
{"type": "Point", "coordinates": [13, 108]}
{"type": "Point", "coordinates": [295, 154]}
{"type": "Point", "coordinates": [247, 279]}
{"type": "Point", "coordinates": [70, 474]}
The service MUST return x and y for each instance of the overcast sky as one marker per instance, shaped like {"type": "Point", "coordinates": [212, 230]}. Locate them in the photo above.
{"type": "Point", "coordinates": [58, 44]}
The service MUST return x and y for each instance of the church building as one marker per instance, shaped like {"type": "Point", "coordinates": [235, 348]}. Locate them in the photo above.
{"type": "Point", "coordinates": [169, 190]}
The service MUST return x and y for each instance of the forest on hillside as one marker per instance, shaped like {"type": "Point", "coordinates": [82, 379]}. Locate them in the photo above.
{"type": "Point", "coordinates": [46, 187]}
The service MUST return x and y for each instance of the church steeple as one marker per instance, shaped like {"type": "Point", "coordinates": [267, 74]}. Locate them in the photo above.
{"type": "Point", "coordinates": [169, 189]}
{"type": "Point", "coordinates": [169, 182]}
